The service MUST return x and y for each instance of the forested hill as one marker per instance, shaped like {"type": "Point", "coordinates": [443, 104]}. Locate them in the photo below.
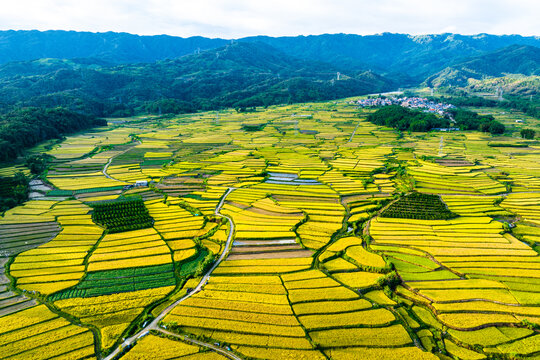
{"type": "Point", "coordinates": [236, 75]}
{"type": "Point", "coordinates": [24, 128]}
{"type": "Point", "coordinates": [110, 46]}
{"type": "Point", "coordinates": [119, 74]}
{"type": "Point", "coordinates": [515, 59]}
{"type": "Point", "coordinates": [414, 56]}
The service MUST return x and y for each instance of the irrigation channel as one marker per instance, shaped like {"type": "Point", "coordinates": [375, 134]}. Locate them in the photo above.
{"type": "Point", "coordinates": [154, 325]}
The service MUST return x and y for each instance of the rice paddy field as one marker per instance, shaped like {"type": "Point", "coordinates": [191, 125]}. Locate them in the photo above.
{"type": "Point", "coordinates": [292, 232]}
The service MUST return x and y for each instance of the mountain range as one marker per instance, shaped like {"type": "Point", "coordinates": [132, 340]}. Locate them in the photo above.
{"type": "Point", "coordinates": [384, 53]}
{"type": "Point", "coordinates": [119, 74]}
{"type": "Point", "coordinates": [240, 74]}
{"type": "Point", "coordinates": [514, 59]}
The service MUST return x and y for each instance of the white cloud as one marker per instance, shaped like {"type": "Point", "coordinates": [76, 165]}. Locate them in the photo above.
{"type": "Point", "coordinates": [238, 18]}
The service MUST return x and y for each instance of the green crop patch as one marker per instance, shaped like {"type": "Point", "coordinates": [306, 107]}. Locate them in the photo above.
{"type": "Point", "coordinates": [191, 266]}
{"type": "Point", "coordinates": [121, 280]}
{"type": "Point", "coordinates": [122, 215]}
{"type": "Point", "coordinates": [419, 206]}
{"type": "Point", "coordinates": [99, 189]}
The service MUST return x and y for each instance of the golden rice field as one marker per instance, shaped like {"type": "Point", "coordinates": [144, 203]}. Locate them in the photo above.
{"type": "Point", "coordinates": [315, 268]}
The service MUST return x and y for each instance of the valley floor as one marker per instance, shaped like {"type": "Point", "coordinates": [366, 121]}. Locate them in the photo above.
{"type": "Point", "coordinates": [294, 241]}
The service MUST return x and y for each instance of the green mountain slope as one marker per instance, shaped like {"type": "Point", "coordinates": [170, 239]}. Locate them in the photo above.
{"type": "Point", "coordinates": [239, 74]}
{"type": "Point", "coordinates": [514, 59]}
{"type": "Point", "coordinates": [412, 57]}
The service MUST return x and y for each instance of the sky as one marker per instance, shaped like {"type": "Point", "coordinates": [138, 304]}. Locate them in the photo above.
{"type": "Point", "coordinates": [239, 18]}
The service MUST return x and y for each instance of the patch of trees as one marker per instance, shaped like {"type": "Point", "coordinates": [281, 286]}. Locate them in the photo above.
{"type": "Point", "coordinates": [27, 127]}
{"type": "Point", "coordinates": [525, 105]}
{"type": "Point", "coordinates": [419, 206]}
{"type": "Point", "coordinates": [469, 120]}
{"type": "Point", "coordinates": [253, 127]}
{"type": "Point", "coordinates": [460, 101]}
{"type": "Point", "coordinates": [37, 163]}
{"type": "Point", "coordinates": [124, 215]}
{"type": "Point", "coordinates": [531, 108]}
{"type": "Point", "coordinates": [404, 119]}
{"type": "Point", "coordinates": [528, 133]}
{"type": "Point", "coordinates": [13, 191]}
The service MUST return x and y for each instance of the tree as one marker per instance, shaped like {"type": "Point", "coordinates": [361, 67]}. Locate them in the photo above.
{"type": "Point", "coordinates": [484, 127]}
{"type": "Point", "coordinates": [528, 133]}
{"type": "Point", "coordinates": [37, 163]}
{"type": "Point", "coordinates": [496, 128]}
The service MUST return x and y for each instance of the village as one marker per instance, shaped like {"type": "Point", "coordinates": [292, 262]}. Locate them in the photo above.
{"type": "Point", "coordinates": [409, 102]}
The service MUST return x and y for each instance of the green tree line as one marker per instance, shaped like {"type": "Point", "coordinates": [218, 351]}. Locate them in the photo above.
{"type": "Point", "coordinates": [27, 127]}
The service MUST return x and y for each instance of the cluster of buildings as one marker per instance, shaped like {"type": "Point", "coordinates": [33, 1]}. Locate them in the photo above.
{"type": "Point", "coordinates": [409, 102]}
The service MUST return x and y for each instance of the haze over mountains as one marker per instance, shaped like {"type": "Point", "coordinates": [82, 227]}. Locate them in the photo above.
{"type": "Point", "coordinates": [120, 74]}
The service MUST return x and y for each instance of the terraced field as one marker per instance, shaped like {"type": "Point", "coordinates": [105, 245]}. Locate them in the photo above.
{"type": "Point", "coordinates": [192, 238]}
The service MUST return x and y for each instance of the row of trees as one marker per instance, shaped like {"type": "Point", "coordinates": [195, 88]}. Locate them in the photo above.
{"type": "Point", "coordinates": [419, 206]}
{"type": "Point", "coordinates": [529, 106]}
{"type": "Point", "coordinates": [404, 119]}
{"type": "Point", "coordinates": [469, 120]}
{"type": "Point", "coordinates": [123, 215]}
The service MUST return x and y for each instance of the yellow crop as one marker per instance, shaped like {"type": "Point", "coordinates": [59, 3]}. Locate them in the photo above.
{"type": "Point", "coordinates": [189, 311]}
{"type": "Point", "coordinates": [332, 293]}
{"type": "Point", "coordinates": [25, 318]}
{"type": "Point", "coordinates": [311, 283]}
{"type": "Point", "coordinates": [238, 326]}
{"type": "Point", "coordinates": [345, 242]}
{"type": "Point", "coordinates": [160, 348]}
{"type": "Point", "coordinates": [130, 262]}
{"type": "Point", "coordinates": [410, 352]}
{"type": "Point", "coordinates": [394, 335]}
{"type": "Point", "coordinates": [279, 354]}
{"type": "Point", "coordinates": [468, 320]}
{"type": "Point", "coordinates": [366, 317]}
{"type": "Point", "coordinates": [358, 279]}
{"type": "Point", "coordinates": [261, 340]}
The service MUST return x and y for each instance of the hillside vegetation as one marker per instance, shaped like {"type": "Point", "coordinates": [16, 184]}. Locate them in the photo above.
{"type": "Point", "coordinates": [417, 56]}
{"type": "Point", "coordinates": [27, 127]}
{"type": "Point", "coordinates": [239, 74]}
{"type": "Point", "coordinates": [515, 59]}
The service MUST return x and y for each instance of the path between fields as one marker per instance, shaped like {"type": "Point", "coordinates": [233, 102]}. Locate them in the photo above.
{"type": "Point", "coordinates": [110, 161]}
{"type": "Point", "coordinates": [154, 325]}
{"type": "Point", "coordinates": [217, 349]}
{"type": "Point", "coordinates": [354, 132]}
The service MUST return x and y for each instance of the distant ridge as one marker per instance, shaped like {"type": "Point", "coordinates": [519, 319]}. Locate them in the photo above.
{"type": "Point", "coordinates": [514, 59]}
{"type": "Point", "coordinates": [23, 45]}
{"type": "Point", "coordinates": [416, 56]}
{"type": "Point", "coordinates": [239, 74]}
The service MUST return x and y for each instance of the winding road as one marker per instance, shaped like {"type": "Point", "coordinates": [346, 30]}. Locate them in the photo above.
{"type": "Point", "coordinates": [106, 167]}
{"type": "Point", "coordinates": [217, 349]}
{"type": "Point", "coordinates": [154, 325]}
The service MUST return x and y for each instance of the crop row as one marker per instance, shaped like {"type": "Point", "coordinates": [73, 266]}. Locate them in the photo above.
{"type": "Point", "coordinates": [419, 206]}
{"type": "Point", "coordinates": [120, 216]}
